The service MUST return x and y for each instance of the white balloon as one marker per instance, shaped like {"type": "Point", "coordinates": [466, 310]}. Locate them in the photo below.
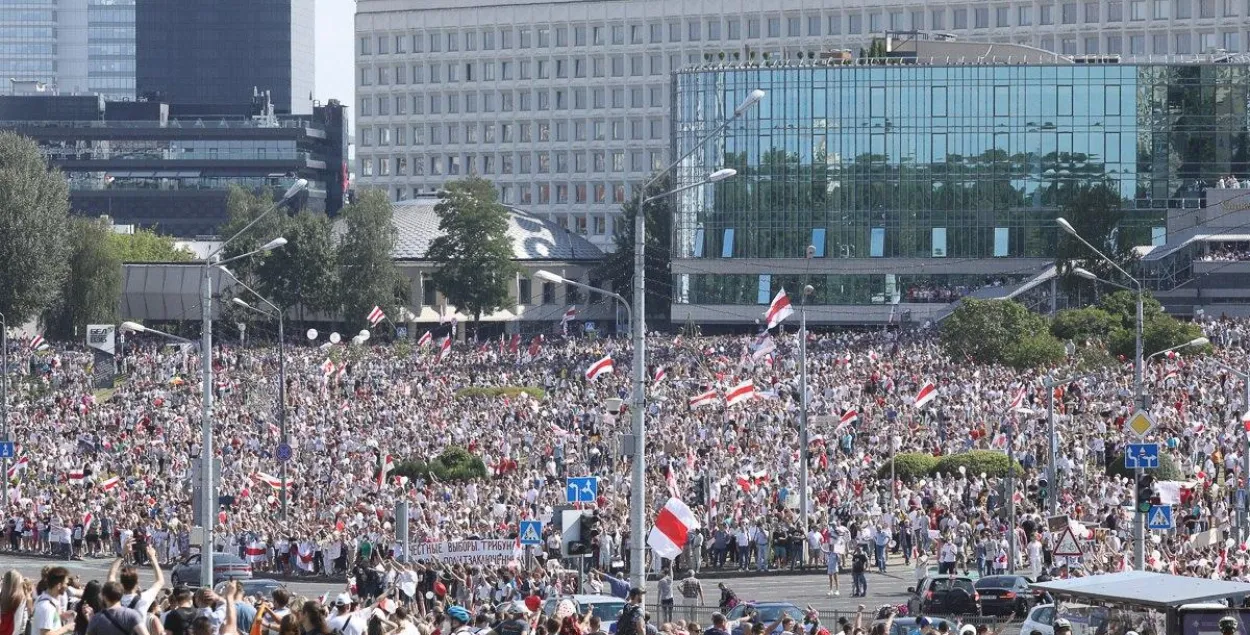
{"type": "Point", "coordinates": [356, 340]}
{"type": "Point", "coordinates": [962, 470]}
{"type": "Point", "coordinates": [335, 338]}
{"type": "Point", "coordinates": [364, 336]}
{"type": "Point", "coordinates": [312, 334]}
{"type": "Point", "coordinates": [364, 333]}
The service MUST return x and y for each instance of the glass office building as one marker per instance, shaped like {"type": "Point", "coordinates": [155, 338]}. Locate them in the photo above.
{"type": "Point", "coordinates": [919, 184]}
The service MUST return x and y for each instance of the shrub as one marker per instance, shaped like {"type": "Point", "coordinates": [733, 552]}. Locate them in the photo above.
{"type": "Point", "coordinates": [909, 466]}
{"type": "Point", "coordinates": [1160, 333]}
{"type": "Point", "coordinates": [455, 464]}
{"type": "Point", "coordinates": [991, 331]}
{"type": "Point", "coordinates": [500, 391]}
{"type": "Point", "coordinates": [990, 462]}
{"type": "Point", "coordinates": [1167, 470]}
{"type": "Point", "coordinates": [1033, 351]}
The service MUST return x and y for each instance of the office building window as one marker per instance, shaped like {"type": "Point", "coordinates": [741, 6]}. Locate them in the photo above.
{"type": "Point", "coordinates": [981, 18]}
{"type": "Point", "coordinates": [818, 241]}
{"type": "Point", "coordinates": [813, 25]}
{"type": "Point", "coordinates": [939, 242]}
{"type": "Point", "coordinates": [876, 242]}
{"type": "Point", "coordinates": [764, 289]}
{"type": "Point", "coordinates": [727, 243]}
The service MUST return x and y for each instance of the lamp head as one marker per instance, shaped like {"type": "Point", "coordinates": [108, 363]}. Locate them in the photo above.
{"type": "Point", "coordinates": [133, 327]}
{"type": "Point", "coordinates": [1199, 341]}
{"type": "Point", "coordinates": [808, 290]}
{"type": "Point", "coordinates": [811, 251]}
{"type": "Point", "coordinates": [296, 187]}
{"type": "Point", "coordinates": [547, 276]}
{"type": "Point", "coordinates": [241, 302]}
{"type": "Point", "coordinates": [721, 175]}
{"type": "Point", "coordinates": [1081, 272]}
{"type": "Point", "coordinates": [1065, 225]}
{"type": "Point", "coordinates": [273, 244]}
{"type": "Point", "coordinates": [753, 98]}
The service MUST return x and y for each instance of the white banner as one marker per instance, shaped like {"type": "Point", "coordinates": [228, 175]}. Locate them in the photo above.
{"type": "Point", "coordinates": [102, 337]}
{"type": "Point", "coordinates": [468, 550]}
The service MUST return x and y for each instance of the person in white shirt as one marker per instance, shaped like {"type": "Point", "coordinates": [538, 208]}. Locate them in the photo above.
{"type": "Point", "coordinates": [346, 621]}
{"type": "Point", "coordinates": [947, 556]}
{"type": "Point", "coordinates": [133, 597]}
{"type": "Point", "coordinates": [49, 617]}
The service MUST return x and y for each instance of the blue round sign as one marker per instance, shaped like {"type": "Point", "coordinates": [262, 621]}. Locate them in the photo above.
{"type": "Point", "coordinates": [284, 452]}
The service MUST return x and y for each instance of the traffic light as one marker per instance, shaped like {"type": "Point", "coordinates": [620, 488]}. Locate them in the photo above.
{"type": "Point", "coordinates": [1145, 493]}
{"type": "Point", "coordinates": [1043, 492]}
{"type": "Point", "coordinates": [587, 530]}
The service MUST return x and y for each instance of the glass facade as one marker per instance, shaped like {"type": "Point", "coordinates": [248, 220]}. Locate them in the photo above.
{"type": "Point", "coordinates": [923, 168]}
{"type": "Point", "coordinates": [111, 48]}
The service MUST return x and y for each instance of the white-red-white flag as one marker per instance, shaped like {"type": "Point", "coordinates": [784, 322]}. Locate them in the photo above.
{"type": "Point", "coordinates": [375, 316]}
{"type": "Point", "coordinates": [928, 392]}
{"type": "Point", "coordinates": [270, 480]}
{"type": "Point", "coordinates": [444, 349]}
{"type": "Point", "coordinates": [111, 484]}
{"type": "Point", "coordinates": [425, 339]}
{"type": "Point", "coordinates": [848, 417]}
{"type": "Point", "coordinates": [779, 309]}
{"type": "Point", "coordinates": [255, 551]}
{"type": "Point", "coordinates": [672, 527]}
{"type": "Point", "coordinates": [19, 467]}
{"type": "Point", "coordinates": [705, 398]}
{"type": "Point", "coordinates": [660, 375]}
{"type": "Point", "coordinates": [600, 367]}
{"type": "Point", "coordinates": [327, 368]}
{"type": "Point", "coordinates": [385, 465]}
{"type": "Point", "coordinates": [37, 343]}
{"type": "Point", "coordinates": [87, 519]}
{"type": "Point", "coordinates": [75, 476]}
{"type": "Point", "coordinates": [740, 393]}
{"type": "Point", "coordinates": [1018, 400]}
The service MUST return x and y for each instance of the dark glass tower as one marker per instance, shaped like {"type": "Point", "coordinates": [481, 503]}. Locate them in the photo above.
{"type": "Point", "coordinates": [217, 52]}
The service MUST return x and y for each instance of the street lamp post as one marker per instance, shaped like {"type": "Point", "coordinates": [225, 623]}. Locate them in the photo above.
{"type": "Point", "coordinates": [804, 450]}
{"type": "Point", "coordinates": [1139, 522]}
{"type": "Point", "coordinates": [274, 313]}
{"type": "Point", "coordinates": [206, 369]}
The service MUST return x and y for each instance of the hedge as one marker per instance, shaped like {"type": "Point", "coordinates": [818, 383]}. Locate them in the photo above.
{"type": "Point", "coordinates": [500, 391]}
{"type": "Point", "coordinates": [455, 464]}
{"type": "Point", "coordinates": [1167, 470]}
{"type": "Point", "coordinates": [909, 466]}
{"type": "Point", "coordinates": [976, 462]}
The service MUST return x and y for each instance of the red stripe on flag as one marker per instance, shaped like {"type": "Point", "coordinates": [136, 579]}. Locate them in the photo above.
{"type": "Point", "coordinates": [672, 527]}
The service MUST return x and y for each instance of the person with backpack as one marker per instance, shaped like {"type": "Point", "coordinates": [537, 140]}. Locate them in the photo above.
{"type": "Point", "coordinates": [115, 619]}
{"type": "Point", "coordinates": [632, 620]}
{"type": "Point", "coordinates": [49, 618]}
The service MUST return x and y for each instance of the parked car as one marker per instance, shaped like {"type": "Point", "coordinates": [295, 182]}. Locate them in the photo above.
{"type": "Point", "coordinates": [907, 625]}
{"type": "Point", "coordinates": [944, 595]}
{"type": "Point", "coordinates": [1009, 595]}
{"type": "Point", "coordinates": [261, 588]}
{"type": "Point", "coordinates": [226, 566]}
{"type": "Point", "coordinates": [1040, 619]}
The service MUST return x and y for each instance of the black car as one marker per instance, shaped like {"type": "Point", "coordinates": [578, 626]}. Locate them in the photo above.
{"type": "Point", "coordinates": [1006, 595]}
{"type": "Point", "coordinates": [944, 595]}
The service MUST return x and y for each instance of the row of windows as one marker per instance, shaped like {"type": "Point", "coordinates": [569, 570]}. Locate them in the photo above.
{"type": "Point", "coordinates": [509, 101]}
{"type": "Point", "coordinates": [27, 66]}
{"type": "Point", "coordinates": [653, 65]}
{"type": "Point", "coordinates": [27, 48]}
{"type": "Point", "coordinates": [637, 161]}
{"type": "Point", "coordinates": [776, 26]}
{"type": "Point", "coordinates": [27, 32]}
{"type": "Point", "coordinates": [550, 294]}
{"type": "Point", "coordinates": [13, 16]}
{"type": "Point", "coordinates": [524, 132]}
{"type": "Point", "coordinates": [543, 193]}
{"type": "Point", "coordinates": [879, 288]}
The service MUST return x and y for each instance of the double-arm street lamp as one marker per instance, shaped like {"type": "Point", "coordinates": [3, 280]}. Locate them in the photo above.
{"type": "Point", "coordinates": [637, 495]}
{"type": "Point", "coordinates": [277, 314]}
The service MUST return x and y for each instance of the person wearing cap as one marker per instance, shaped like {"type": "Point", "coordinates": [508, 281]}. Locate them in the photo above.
{"type": "Point", "coordinates": [1063, 627]}
{"type": "Point", "coordinates": [344, 620]}
{"type": "Point", "coordinates": [516, 624]}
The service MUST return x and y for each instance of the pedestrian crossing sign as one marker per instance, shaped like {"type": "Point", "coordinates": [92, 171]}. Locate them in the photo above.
{"type": "Point", "coordinates": [1160, 517]}
{"type": "Point", "coordinates": [1068, 546]}
{"type": "Point", "coordinates": [531, 532]}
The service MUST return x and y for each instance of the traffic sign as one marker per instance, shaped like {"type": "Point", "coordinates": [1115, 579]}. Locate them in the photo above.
{"type": "Point", "coordinates": [581, 489]}
{"type": "Point", "coordinates": [1160, 517]}
{"type": "Point", "coordinates": [6, 450]}
{"type": "Point", "coordinates": [1140, 423]}
{"type": "Point", "coordinates": [531, 532]}
{"type": "Point", "coordinates": [284, 452]}
{"type": "Point", "coordinates": [1068, 546]}
{"type": "Point", "coordinates": [1141, 456]}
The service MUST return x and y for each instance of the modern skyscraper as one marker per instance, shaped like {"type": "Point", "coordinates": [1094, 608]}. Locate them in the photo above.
{"type": "Point", "coordinates": [68, 46]}
{"type": "Point", "coordinates": [217, 52]}
{"type": "Point", "coordinates": [565, 104]}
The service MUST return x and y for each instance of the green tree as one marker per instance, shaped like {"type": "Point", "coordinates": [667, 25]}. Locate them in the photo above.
{"type": "Point", "coordinates": [245, 206]}
{"type": "Point", "coordinates": [145, 245]}
{"type": "Point", "coordinates": [1083, 324]}
{"type": "Point", "coordinates": [367, 271]}
{"type": "Point", "coordinates": [474, 254]}
{"type": "Point", "coordinates": [617, 267]}
{"type": "Point", "coordinates": [1160, 332]}
{"type": "Point", "coordinates": [303, 272]}
{"type": "Point", "coordinates": [91, 291]}
{"type": "Point", "coordinates": [34, 206]}
{"type": "Point", "coordinates": [1122, 305]}
{"type": "Point", "coordinates": [998, 332]}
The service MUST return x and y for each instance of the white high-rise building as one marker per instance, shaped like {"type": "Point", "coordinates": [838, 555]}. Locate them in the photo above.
{"type": "Point", "coordinates": [68, 47]}
{"type": "Point", "coordinates": [564, 104]}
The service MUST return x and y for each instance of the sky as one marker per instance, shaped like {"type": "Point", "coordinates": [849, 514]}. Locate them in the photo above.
{"type": "Point", "coordinates": [335, 64]}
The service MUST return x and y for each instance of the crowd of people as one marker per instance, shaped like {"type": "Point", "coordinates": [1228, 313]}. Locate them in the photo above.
{"type": "Point", "coordinates": [97, 470]}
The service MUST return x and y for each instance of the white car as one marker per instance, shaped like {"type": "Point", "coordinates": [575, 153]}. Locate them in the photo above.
{"type": "Point", "coordinates": [1040, 620]}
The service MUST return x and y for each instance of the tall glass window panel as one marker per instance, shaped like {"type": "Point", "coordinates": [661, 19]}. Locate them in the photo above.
{"type": "Point", "coordinates": [876, 243]}
{"type": "Point", "coordinates": [1001, 238]}
{"type": "Point", "coordinates": [939, 242]}
{"type": "Point", "coordinates": [727, 244]}
{"type": "Point", "coordinates": [698, 243]}
{"type": "Point", "coordinates": [763, 295]}
{"type": "Point", "coordinates": [818, 241]}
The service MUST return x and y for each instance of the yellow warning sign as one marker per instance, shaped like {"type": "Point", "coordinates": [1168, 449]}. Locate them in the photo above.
{"type": "Point", "coordinates": [1140, 423]}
